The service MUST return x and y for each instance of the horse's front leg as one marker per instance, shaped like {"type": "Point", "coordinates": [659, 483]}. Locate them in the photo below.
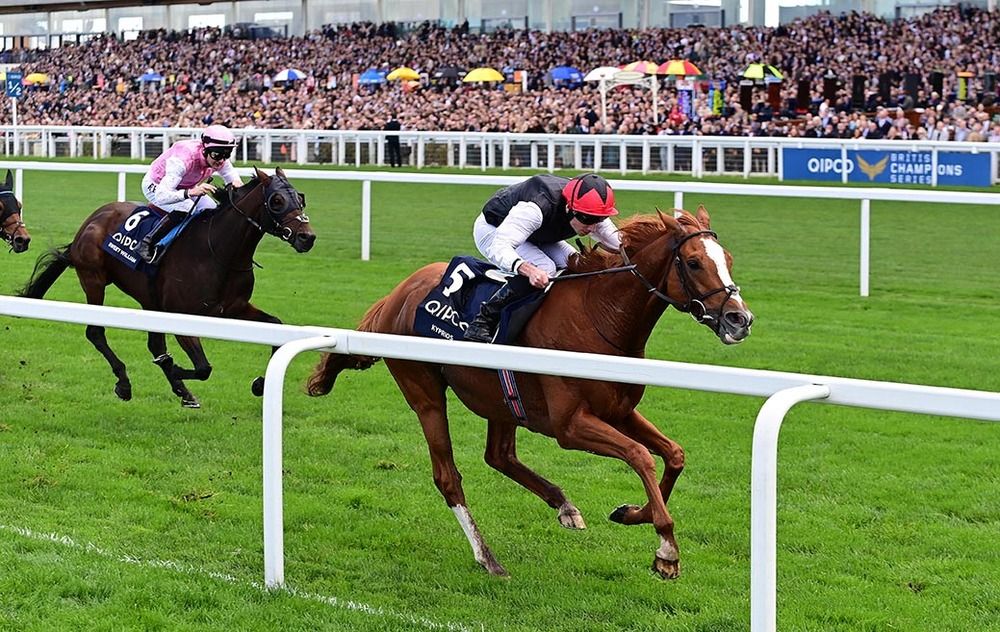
{"type": "Point", "coordinates": [157, 345]}
{"type": "Point", "coordinates": [252, 312]}
{"type": "Point", "coordinates": [201, 371]}
{"type": "Point", "coordinates": [642, 430]}
{"type": "Point", "coordinates": [584, 431]}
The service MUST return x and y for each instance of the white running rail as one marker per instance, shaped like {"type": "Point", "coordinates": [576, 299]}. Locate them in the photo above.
{"type": "Point", "coordinates": [783, 390]}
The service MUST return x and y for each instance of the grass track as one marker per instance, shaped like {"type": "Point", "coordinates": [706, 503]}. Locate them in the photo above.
{"type": "Point", "coordinates": [886, 521]}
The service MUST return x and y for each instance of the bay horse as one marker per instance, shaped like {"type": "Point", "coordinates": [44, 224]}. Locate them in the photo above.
{"type": "Point", "coordinates": [12, 228]}
{"type": "Point", "coordinates": [677, 262]}
{"type": "Point", "coordinates": [207, 271]}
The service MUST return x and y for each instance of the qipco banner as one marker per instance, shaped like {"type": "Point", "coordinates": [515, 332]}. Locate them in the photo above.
{"type": "Point", "coordinates": [890, 167]}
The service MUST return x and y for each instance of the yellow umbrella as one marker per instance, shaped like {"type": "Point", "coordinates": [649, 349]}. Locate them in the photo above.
{"type": "Point", "coordinates": [645, 67]}
{"type": "Point", "coordinates": [479, 75]}
{"type": "Point", "coordinates": [403, 73]}
{"type": "Point", "coordinates": [37, 77]}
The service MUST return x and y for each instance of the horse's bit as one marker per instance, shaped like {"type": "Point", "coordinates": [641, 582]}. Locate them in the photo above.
{"type": "Point", "coordinates": [695, 305]}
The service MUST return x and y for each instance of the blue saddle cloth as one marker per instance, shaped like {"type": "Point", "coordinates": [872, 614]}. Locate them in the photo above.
{"type": "Point", "coordinates": [123, 241]}
{"type": "Point", "coordinates": [448, 309]}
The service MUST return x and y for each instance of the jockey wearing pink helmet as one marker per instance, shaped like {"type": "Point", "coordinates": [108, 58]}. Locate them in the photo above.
{"type": "Point", "coordinates": [177, 181]}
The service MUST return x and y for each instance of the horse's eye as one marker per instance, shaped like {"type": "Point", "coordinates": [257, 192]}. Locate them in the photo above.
{"type": "Point", "coordinates": [693, 264]}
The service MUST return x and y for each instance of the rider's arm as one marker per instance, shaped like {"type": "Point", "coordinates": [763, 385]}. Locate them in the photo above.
{"type": "Point", "coordinates": [229, 175]}
{"type": "Point", "coordinates": [167, 190]}
{"type": "Point", "coordinates": [607, 233]}
{"type": "Point", "coordinates": [524, 218]}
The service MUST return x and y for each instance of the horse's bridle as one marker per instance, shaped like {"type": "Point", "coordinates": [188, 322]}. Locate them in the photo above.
{"type": "Point", "coordinates": [695, 305]}
{"type": "Point", "coordinates": [10, 207]}
{"type": "Point", "coordinates": [275, 228]}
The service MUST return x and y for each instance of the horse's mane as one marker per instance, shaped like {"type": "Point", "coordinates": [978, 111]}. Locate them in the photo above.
{"type": "Point", "coordinates": [635, 232]}
{"type": "Point", "coordinates": [224, 196]}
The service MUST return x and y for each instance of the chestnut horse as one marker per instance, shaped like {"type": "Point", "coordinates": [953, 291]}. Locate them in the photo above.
{"type": "Point", "coordinates": [207, 271]}
{"type": "Point", "coordinates": [12, 229]}
{"type": "Point", "coordinates": [674, 261]}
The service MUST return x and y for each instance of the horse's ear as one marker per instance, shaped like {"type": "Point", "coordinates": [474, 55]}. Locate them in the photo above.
{"type": "Point", "coordinates": [703, 218]}
{"type": "Point", "coordinates": [260, 175]}
{"type": "Point", "coordinates": [278, 171]}
{"type": "Point", "coordinates": [668, 221]}
{"type": "Point", "coordinates": [9, 184]}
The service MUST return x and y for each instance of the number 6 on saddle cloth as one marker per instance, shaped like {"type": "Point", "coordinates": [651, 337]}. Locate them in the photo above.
{"type": "Point", "coordinates": [123, 242]}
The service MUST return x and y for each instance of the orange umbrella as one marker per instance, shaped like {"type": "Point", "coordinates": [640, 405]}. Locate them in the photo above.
{"type": "Point", "coordinates": [677, 67]}
{"type": "Point", "coordinates": [645, 67]}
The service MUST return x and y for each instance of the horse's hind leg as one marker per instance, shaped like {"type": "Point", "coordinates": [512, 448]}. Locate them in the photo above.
{"type": "Point", "coordinates": [501, 455]}
{"type": "Point", "coordinates": [157, 345]}
{"type": "Point", "coordinates": [424, 389]}
{"type": "Point", "coordinates": [93, 287]}
{"type": "Point", "coordinates": [642, 430]}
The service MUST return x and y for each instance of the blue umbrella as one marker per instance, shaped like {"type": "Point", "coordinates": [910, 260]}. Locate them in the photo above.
{"type": "Point", "coordinates": [151, 76]}
{"type": "Point", "coordinates": [372, 77]}
{"type": "Point", "coordinates": [567, 74]}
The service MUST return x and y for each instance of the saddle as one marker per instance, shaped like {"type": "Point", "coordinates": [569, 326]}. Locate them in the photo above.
{"type": "Point", "coordinates": [448, 309]}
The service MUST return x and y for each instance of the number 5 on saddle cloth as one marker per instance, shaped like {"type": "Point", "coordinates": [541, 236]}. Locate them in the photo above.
{"type": "Point", "coordinates": [448, 309]}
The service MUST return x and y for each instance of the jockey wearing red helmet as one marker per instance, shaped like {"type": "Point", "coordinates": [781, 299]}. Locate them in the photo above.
{"type": "Point", "coordinates": [522, 230]}
{"type": "Point", "coordinates": [179, 175]}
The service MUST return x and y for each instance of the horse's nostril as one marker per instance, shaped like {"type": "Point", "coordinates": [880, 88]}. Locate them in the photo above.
{"type": "Point", "coordinates": [738, 319]}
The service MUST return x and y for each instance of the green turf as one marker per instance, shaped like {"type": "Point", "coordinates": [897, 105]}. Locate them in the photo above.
{"type": "Point", "coordinates": [142, 515]}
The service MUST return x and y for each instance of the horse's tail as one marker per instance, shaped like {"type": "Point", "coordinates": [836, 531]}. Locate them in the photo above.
{"type": "Point", "coordinates": [47, 269]}
{"type": "Point", "coordinates": [331, 364]}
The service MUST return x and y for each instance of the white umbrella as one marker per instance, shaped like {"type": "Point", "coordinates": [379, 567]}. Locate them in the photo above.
{"type": "Point", "coordinates": [289, 74]}
{"type": "Point", "coordinates": [609, 76]}
{"type": "Point", "coordinates": [602, 75]}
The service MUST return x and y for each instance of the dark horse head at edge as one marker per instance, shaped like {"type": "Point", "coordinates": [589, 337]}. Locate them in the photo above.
{"type": "Point", "coordinates": [207, 271]}
{"type": "Point", "coordinates": [12, 228]}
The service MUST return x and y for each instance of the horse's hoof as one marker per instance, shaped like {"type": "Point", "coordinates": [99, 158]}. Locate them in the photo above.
{"type": "Point", "coordinates": [190, 402]}
{"type": "Point", "coordinates": [570, 517]}
{"type": "Point", "coordinates": [123, 391]}
{"type": "Point", "coordinates": [624, 514]}
{"type": "Point", "coordinates": [667, 569]}
{"type": "Point", "coordinates": [491, 564]}
{"type": "Point", "coordinates": [257, 386]}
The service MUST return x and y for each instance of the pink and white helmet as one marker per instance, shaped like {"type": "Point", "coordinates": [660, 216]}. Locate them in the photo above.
{"type": "Point", "coordinates": [217, 136]}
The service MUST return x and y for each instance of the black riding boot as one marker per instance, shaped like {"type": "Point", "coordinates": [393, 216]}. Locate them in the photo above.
{"type": "Point", "coordinates": [483, 327]}
{"type": "Point", "coordinates": [146, 248]}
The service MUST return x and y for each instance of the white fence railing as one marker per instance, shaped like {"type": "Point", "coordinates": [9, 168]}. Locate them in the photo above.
{"type": "Point", "coordinates": [678, 189]}
{"type": "Point", "coordinates": [742, 156]}
{"type": "Point", "coordinates": [783, 390]}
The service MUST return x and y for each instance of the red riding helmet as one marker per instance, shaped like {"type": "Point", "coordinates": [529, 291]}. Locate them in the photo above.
{"type": "Point", "coordinates": [590, 194]}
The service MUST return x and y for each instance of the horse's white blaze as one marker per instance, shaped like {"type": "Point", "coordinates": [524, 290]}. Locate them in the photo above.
{"type": "Point", "coordinates": [718, 257]}
{"type": "Point", "coordinates": [667, 551]}
{"type": "Point", "coordinates": [471, 532]}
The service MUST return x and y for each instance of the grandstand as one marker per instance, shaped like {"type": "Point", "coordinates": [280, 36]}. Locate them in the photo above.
{"type": "Point", "coordinates": [190, 65]}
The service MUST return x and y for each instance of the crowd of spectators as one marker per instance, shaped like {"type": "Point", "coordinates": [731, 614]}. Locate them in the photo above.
{"type": "Point", "coordinates": [209, 76]}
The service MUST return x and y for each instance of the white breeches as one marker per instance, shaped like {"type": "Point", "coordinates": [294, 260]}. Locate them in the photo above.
{"type": "Point", "coordinates": [548, 257]}
{"type": "Point", "coordinates": [185, 205]}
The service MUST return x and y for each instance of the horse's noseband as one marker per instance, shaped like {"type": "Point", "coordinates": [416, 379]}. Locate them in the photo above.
{"type": "Point", "coordinates": [695, 305]}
